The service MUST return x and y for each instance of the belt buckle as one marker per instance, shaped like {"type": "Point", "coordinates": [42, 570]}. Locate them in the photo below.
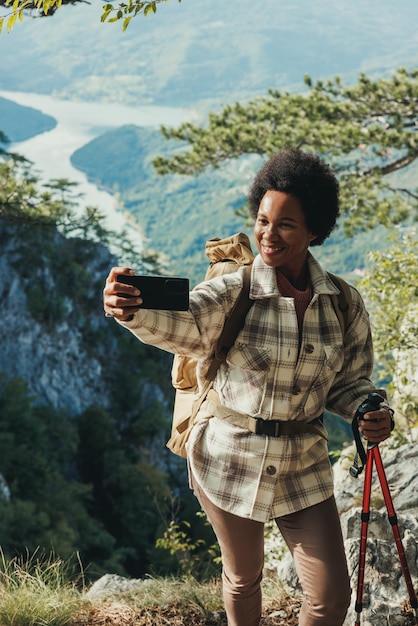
{"type": "Point", "coordinates": [277, 429]}
{"type": "Point", "coordinates": [271, 428]}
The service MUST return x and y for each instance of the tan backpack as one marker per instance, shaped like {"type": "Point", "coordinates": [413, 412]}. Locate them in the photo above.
{"type": "Point", "coordinates": [226, 256]}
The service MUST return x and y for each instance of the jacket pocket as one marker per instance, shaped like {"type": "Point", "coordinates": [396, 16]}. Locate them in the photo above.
{"type": "Point", "coordinates": [243, 379]}
{"type": "Point", "coordinates": [332, 363]}
{"type": "Point", "coordinates": [249, 357]}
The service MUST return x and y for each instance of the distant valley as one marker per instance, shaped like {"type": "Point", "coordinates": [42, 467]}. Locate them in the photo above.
{"type": "Point", "coordinates": [177, 214]}
{"type": "Point", "coordinates": [199, 56]}
{"type": "Point", "coordinates": [206, 52]}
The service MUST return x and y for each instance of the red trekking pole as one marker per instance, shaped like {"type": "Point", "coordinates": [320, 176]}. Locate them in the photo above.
{"type": "Point", "coordinates": [373, 456]}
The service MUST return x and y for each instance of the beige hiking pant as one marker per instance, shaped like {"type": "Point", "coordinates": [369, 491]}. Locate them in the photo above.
{"type": "Point", "coordinates": [314, 539]}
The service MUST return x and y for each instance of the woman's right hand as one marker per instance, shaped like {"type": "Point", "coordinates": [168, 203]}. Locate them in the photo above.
{"type": "Point", "coordinates": [116, 296]}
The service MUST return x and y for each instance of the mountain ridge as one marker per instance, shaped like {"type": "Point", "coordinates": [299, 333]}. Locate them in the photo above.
{"type": "Point", "coordinates": [210, 52]}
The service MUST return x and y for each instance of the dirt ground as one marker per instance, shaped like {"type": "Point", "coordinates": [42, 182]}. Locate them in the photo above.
{"type": "Point", "coordinates": [114, 614]}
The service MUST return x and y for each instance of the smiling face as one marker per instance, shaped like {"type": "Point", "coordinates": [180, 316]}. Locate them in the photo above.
{"type": "Point", "coordinates": [281, 234]}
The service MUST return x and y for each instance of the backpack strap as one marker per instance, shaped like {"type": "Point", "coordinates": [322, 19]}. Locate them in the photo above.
{"type": "Point", "coordinates": [230, 331]}
{"type": "Point", "coordinates": [233, 325]}
{"type": "Point", "coordinates": [342, 301]}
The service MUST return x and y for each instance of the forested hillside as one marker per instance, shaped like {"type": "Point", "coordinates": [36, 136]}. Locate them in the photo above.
{"type": "Point", "coordinates": [177, 214]}
{"type": "Point", "coordinates": [22, 122]}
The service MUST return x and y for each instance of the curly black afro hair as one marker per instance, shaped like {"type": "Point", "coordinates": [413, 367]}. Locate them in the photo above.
{"type": "Point", "coordinates": [306, 177]}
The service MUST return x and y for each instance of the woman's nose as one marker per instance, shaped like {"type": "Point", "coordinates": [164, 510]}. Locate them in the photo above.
{"type": "Point", "coordinates": [271, 232]}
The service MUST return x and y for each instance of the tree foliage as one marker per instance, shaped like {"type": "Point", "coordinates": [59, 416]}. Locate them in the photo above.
{"type": "Point", "coordinates": [391, 289]}
{"type": "Point", "coordinates": [367, 132]}
{"type": "Point", "coordinates": [127, 10]}
{"type": "Point", "coordinates": [76, 486]}
{"type": "Point", "coordinates": [46, 8]}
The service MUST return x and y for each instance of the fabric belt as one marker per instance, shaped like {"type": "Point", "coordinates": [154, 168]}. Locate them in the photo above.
{"type": "Point", "coordinates": [259, 426]}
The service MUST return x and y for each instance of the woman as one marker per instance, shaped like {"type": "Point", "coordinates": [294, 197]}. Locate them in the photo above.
{"type": "Point", "coordinates": [289, 362]}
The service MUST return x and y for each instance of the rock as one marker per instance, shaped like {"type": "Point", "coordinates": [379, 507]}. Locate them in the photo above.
{"type": "Point", "coordinates": [282, 614]}
{"type": "Point", "coordinates": [385, 594]}
{"type": "Point", "coordinates": [111, 584]}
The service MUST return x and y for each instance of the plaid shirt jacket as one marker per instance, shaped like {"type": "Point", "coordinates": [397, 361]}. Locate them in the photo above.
{"type": "Point", "coordinates": [268, 374]}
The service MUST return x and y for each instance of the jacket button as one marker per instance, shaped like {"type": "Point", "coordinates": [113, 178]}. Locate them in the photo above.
{"type": "Point", "coordinates": [270, 470]}
{"type": "Point", "coordinates": [295, 390]}
{"type": "Point", "coordinates": [309, 348]}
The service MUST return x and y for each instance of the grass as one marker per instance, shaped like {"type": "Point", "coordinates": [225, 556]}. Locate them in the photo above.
{"type": "Point", "coordinates": [39, 591]}
{"type": "Point", "coordinates": [183, 602]}
{"type": "Point", "coordinates": [204, 598]}
{"type": "Point", "coordinates": [36, 592]}
{"type": "Point", "coordinates": [161, 601]}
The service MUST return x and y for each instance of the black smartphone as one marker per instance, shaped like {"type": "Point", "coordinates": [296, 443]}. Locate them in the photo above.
{"type": "Point", "coordinates": [167, 293]}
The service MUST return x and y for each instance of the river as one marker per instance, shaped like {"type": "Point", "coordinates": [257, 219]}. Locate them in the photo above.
{"type": "Point", "coordinates": [77, 124]}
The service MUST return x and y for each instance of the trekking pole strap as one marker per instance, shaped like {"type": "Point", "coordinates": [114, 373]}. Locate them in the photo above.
{"type": "Point", "coordinates": [355, 469]}
{"type": "Point", "coordinates": [372, 403]}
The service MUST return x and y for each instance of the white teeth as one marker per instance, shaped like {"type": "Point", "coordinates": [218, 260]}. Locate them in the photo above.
{"type": "Point", "coordinates": [272, 249]}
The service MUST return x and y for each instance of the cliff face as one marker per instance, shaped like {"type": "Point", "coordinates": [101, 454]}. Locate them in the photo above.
{"type": "Point", "coordinates": [53, 332]}
{"type": "Point", "coordinates": [44, 330]}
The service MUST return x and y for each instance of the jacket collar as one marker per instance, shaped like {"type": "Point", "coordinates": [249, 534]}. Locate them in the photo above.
{"type": "Point", "coordinates": [264, 285]}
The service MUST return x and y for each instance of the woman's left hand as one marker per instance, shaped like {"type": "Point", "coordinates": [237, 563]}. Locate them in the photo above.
{"type": "Point", "coordinates": [376, 426]}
